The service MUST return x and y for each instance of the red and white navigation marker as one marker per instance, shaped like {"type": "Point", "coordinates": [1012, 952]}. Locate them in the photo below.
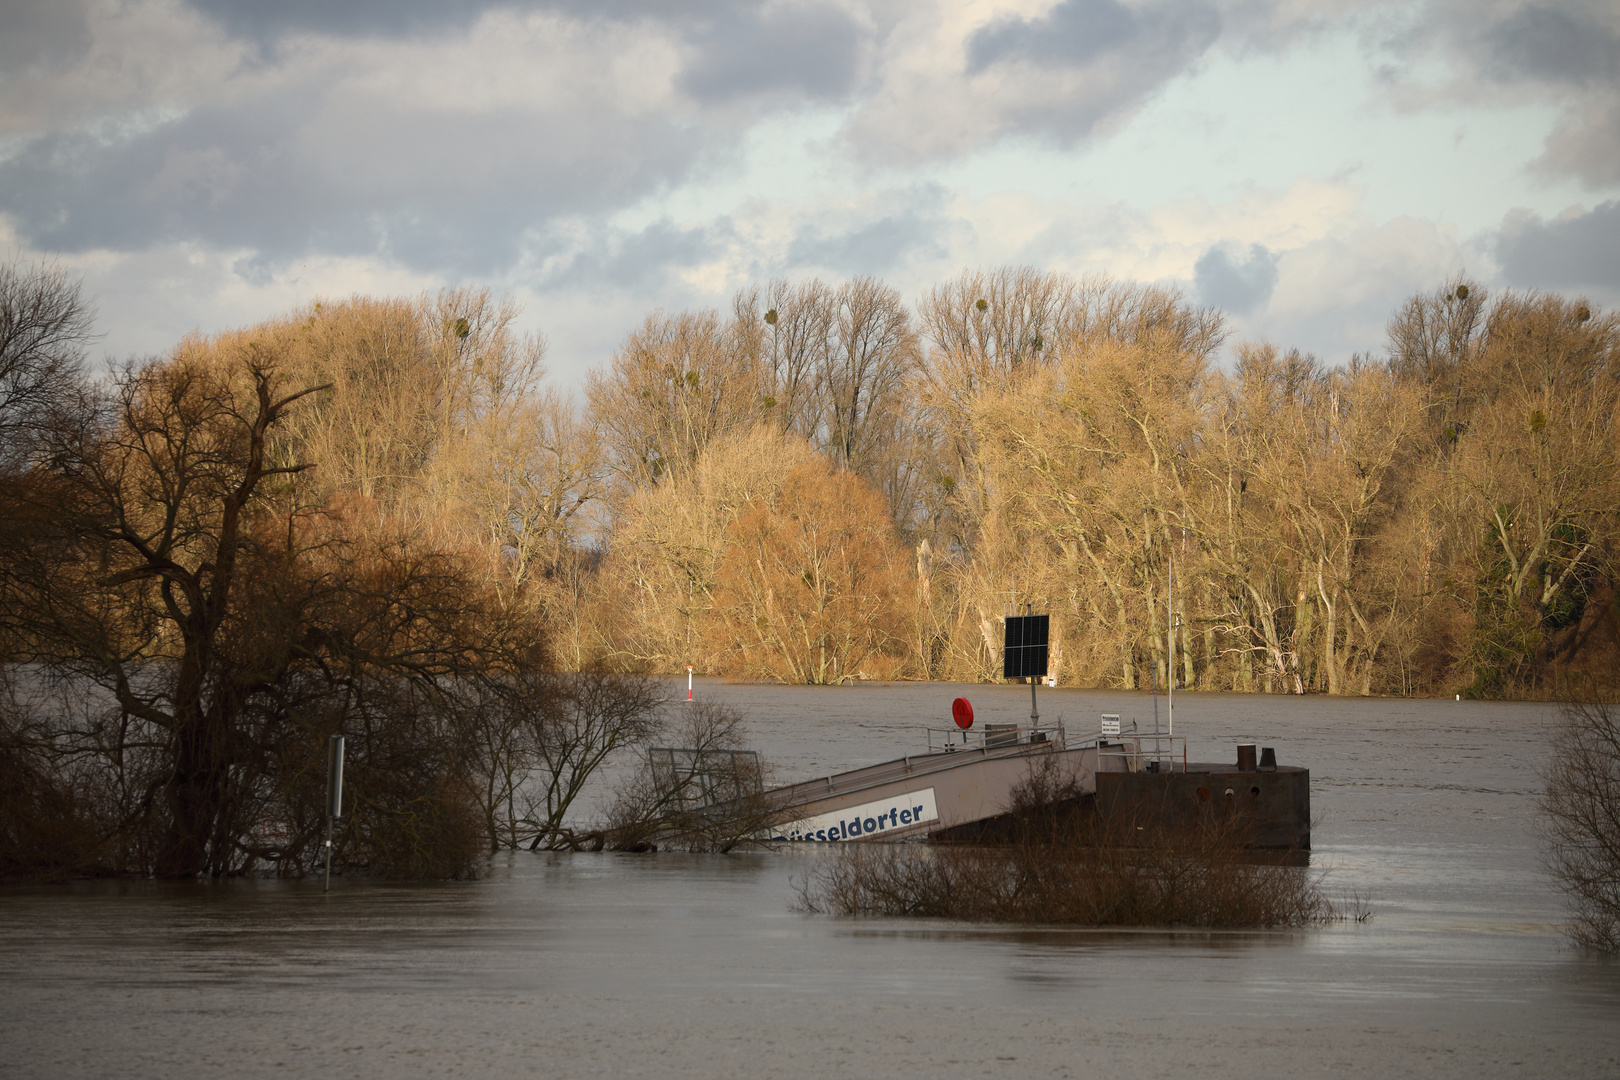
{"type": "Point", "coordinates": [688, 682]}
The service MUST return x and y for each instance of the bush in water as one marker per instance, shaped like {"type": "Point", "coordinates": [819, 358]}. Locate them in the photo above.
{"type": "Point", "coordinates": [1066, 863]}
{"type": "Point", "coordinates": [1580, 822]}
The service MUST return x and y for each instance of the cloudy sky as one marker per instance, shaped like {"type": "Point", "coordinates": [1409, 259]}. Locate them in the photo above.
{"type": "Point", "coordinates": [1304, 164]}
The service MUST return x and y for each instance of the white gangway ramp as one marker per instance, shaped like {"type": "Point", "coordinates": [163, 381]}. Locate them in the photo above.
{"type": "Point", "coordinates": [946, 786]}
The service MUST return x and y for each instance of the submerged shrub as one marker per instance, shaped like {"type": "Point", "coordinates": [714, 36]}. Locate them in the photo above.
{"type": "Point", "coordinates": [438, 835]}
{"type": "Point", "coordinates": [1064, 862]}
{"type": "Point", "coordinates": [1191, 880]}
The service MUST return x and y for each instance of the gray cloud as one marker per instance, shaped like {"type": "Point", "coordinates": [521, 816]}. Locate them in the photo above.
{"type": "Point", "coordinates": [1090, 59]}
{"type": "Point", "coordinates": [735, 48]}
{"type": "Point", "coordinates": [1099, 58]}
{"type": "Point", "coordinates": [1072, 33]}
{"type": "Point", "coordinates": [317, 154]}
{"type": "Point", "coordinates": [37, 34]}
{"type": "Point", "coordinates": [1232, 286]}
{"type": "Point", "coordinates": [298, 150]}
{"type": "Point", "coordinates": [1576, 251]}
{"type": "Point", "coordinates": [641, 262]}
{"type": "Point", "coordinates": [1566, 52]}
{"type": "Point", "coordinates": [1555, 43]}
{"type": "Point", "coordinates": [874, 247]}
{"type": "Point", "coordinates": [1586, 144]}
{"type": "Point", "coordinates": [807, 49]}
{"type": "Point", "coordinates": [292, 174]}
{"type": "Point", "coordinates": [264, 22]}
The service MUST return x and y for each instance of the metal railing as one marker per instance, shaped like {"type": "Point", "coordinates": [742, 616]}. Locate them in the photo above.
{"type": "Point", "coordinates": [1143, 752]}
{"type": "Point", "coordinates": [948, 747]}
{"type": "Point", "coordinates": [994, 737]}
{"type": "Point", "coordinates": [1153, 751]}
{"type": "Point", "coordinates": [694, 779]}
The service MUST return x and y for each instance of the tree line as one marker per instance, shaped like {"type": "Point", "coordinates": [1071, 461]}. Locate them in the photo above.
{"type": "Point", "coordinates": [1438, 517]}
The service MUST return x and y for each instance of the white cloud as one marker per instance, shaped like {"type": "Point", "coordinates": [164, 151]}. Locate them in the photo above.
{"type": "Point", "coordinates": [147, 301]}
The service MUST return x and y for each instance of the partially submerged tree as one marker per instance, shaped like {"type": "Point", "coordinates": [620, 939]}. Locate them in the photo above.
{"type": "Point", "coordinates": [705, 791]}
{"type": "Point", "coordinates": [141, 587]}
{"type": "Point", "coordinates": [1054, 858]}
{"type": "Point", "coordinates": [574, 722]}
{"type": "Point", "coordinates": [1580, 822]}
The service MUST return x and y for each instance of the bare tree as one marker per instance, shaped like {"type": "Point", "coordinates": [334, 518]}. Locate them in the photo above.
{"type": "Point", "coordinates": [799, 322]}
{"type": "Point", "coordinates": [1434, 340]}
{"type": "Point", "coordinates": [576, 721]}
{"type": "Point", "coordinates": [1147, 315]}
{"type": "Point", "coordinates": [45, 324]}
{"type": "Point", "coordinates": [983, 328]}
{"type": "Point", "coordinates": [173, 488]}
{"type": "Point", "coordinates": [674, 386]}
{"type": "Point", "coordinates": [1580, 822]}
{"type": "Point", "coordinates": [373, 432]}
{"type": "Point", "coordinates": [704, 792]}
{"type": "Point", "coordinates": [863, 381]}
{"type": "Point", "coordinates": [1531, 467]}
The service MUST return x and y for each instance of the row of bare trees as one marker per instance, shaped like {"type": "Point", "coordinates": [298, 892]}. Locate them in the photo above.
{"type": "Point", "coordinates": [1440, 518]}
{"type": "Point", "coordinates": [823, 484]}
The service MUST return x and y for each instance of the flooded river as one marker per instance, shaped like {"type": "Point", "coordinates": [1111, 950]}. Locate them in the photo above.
{"type": "Point", "coordinates": [699, 966]}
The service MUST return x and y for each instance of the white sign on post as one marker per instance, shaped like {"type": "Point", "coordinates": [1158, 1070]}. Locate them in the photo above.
{"type": "Point", "coordinates": [1110, 724]}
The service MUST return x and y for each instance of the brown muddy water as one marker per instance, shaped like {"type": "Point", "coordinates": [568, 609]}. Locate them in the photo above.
{"type": "Point", "coordinates": [699, 966]}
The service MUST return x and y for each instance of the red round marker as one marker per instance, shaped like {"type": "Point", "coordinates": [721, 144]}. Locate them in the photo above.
{"type": "Point", "coordinates": [962, 713]}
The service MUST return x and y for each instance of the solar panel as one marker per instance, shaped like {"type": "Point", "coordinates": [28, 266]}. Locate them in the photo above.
{"type": "Point", "coordinates": [1024, 651]}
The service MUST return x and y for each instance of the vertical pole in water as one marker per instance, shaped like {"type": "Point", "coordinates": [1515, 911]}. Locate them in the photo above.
{"type": "Point", "coordinates": [1034, 713]}
{"type": "Point", "coordinates": [1170, 668]}
{"type": "Point", "coordinates": [688, 682]}
{"type": "Point", "coordinates": [1153, 673]}
{"type": "Point", "coordinates": [334, 797]}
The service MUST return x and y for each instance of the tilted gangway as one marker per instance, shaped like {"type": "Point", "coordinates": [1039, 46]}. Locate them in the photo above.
{"type": "Point", "coordinates": [956, 783]}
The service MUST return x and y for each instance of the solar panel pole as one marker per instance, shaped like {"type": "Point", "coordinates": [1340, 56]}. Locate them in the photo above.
{"type": "Point", "coordinates": [1034, 713]}
{"type": "Point", "coordinates": [1170, 669]}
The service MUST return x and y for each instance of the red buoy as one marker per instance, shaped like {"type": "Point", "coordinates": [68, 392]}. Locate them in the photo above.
{"type": "Point", "coordinates": [962, 713]}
